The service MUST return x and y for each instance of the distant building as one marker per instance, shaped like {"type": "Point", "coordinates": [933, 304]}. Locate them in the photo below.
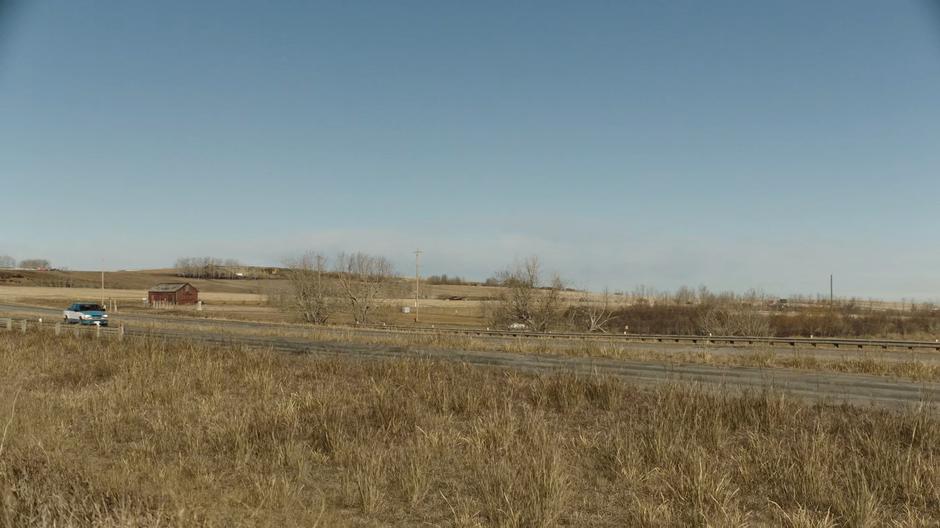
{"type": "Point", "coordinates": [173, 293]}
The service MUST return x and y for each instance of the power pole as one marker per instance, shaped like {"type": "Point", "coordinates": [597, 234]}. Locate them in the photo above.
{"type": "Point", "coordinates": [417, 282]}
{"type": "Point", "coordinates": [831, 295]}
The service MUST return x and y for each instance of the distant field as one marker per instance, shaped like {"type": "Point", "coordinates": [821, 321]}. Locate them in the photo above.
{"type": "Point", "coordinates": [235, 299]}
{"type": "Point", "coordinates": [249, 306]}
{"type": "Point", "coordinates": [129, 280]}
{"type": "Point", "coordinates": [465, 305]}
{"type": "Point", "coordinates": [16, 293]}
{"type": "Point", "coordinates": [141, 280]}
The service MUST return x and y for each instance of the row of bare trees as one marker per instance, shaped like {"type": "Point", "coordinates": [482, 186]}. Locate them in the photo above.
{"type": "Point", "coordinates": [7, 262]}
{"type": "Point", "coordinates": [354, 282]}
{"type": "Point", "coordinates": [535, 301]}
{"type": "Point", "coordinates": [207, 268]}
{"type": "Point", "coordinates": [530, 299]}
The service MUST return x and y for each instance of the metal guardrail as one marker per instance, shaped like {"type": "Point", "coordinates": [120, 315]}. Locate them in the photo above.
{"type": "Point", "coordinates": [807, 342]}
{"type": "Point", "coordinates": [59, 327]}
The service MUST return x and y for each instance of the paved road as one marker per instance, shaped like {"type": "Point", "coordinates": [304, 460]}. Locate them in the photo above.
{"type": "Point", "coordinates": [560, 345]}
{"type": "Point", "coordinates": [812, 385]}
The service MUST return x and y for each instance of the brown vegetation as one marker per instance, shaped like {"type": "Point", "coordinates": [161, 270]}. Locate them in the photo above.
{"type": "Point", "coordinates": [739, 319]}
{"type": "Point", "coordinates": [313, 293]}
{"type": "Point", "coordinates": [363, 279]}
{"type": "Point", "coordinates": [528, 298]}
{"type": "Point", "coordinates": [146, 434]}
{"type": "Point", "coordinates": [216, 268]}
{"type": "Point", "coordinates": [518, 297]}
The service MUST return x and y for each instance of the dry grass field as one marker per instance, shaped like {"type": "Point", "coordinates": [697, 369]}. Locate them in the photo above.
{"type": "Point", "coordinates": [244, 306]}
{"type": "Point", "coordinates": [145, 433]}
{"type": "Point", "coordinates": [233, 298]}
{"type": "Point", "coordinates": [138, 280]}
{"type": "Point", "coordinates": [129, 297]}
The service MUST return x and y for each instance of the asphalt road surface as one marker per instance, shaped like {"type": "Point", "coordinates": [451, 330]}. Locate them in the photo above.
{"type": "Point", "coordinates": [823, 386]}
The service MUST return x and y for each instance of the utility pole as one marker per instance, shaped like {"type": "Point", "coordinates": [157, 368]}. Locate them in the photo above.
{"type": "Point", "coordinates": [417, 282]}
{"type": "Point", "coordinates": [831, 296]}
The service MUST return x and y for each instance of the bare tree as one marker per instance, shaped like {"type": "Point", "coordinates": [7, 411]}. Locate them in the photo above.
{"type": "Point", "coordinates": [185, 267]}
{"type": "Point", "coordinates": [362, 280]}
{"type": "Point", "coordinates": [35, 264]}
{"type": "Point", "coordinates": [207, 268]}
{"type": "Point", "coordinates": [599, 314]}
{"type": "Point", "coordinates": [527, 299]}
{"type": "Point", "coordinates": [313, 293]}
{"type": "Point", "coordinates": [592, 314]}
{"type": "Point", "coordinates": [7, 261]}
{"type": "Point", "coordinates": [685, 295]}
{"type": "Point", "coordinates": [743, 320]}
{"type": "Point", "coordinates": [231, 268]}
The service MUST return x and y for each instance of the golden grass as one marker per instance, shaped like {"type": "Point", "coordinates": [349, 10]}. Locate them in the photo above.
{"type": "Point", "coordinates": [131, 297]}
{"type": "Point", "coordinates": [145, 433]}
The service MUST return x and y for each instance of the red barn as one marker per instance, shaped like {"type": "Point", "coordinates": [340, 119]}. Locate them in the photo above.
{"type": "Point", "coordinates": [173, 293]}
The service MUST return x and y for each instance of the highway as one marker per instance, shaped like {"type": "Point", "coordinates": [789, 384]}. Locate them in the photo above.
{"type": "Point", "coordinates": [821, 349]}
{"type": "Point", "coordinates": [823, 386]}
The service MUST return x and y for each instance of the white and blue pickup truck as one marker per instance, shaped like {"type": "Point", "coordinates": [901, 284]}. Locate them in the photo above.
{"type": "Point", "coordinates": [86, 313]}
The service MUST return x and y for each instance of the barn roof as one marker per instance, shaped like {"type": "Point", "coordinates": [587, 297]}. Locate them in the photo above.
{"type": "Point", "coordinates": [167, 287]}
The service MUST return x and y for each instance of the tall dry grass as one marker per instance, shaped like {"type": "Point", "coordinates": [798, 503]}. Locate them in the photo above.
{"type": "Point", "coordinates": [146, 433]}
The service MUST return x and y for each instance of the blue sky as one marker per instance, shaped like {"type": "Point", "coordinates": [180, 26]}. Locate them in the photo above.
{"type": "Point", "coordinates": [747, 144]}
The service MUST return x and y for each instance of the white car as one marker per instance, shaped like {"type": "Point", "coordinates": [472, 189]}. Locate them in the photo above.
{"type": "Point", "coordinates": [86, 313]}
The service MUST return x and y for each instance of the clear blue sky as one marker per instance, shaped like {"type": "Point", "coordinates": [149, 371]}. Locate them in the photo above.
{"type": "Point", "coordinates": [746, 144]}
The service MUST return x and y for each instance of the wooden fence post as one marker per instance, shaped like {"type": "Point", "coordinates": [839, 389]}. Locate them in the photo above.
{"type": "Point", "coordinates": [121, 333]}
{"type": "Point", "coordinates": [58, 328]}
